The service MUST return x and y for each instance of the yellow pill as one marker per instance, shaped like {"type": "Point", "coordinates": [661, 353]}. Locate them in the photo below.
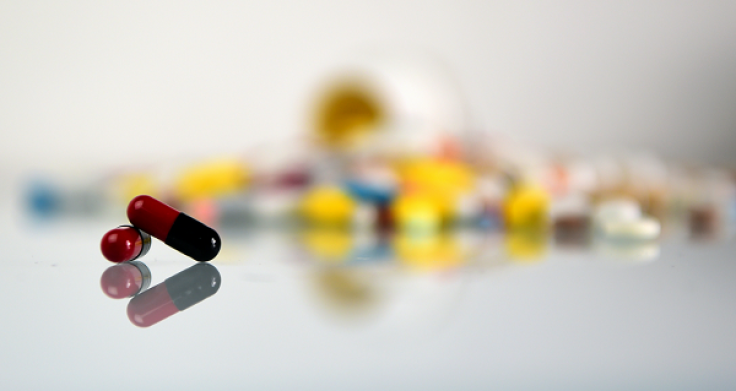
{"type": "Point", "coordinates": [131, 185]}
{"type": "Point", "coordinates": [436, 174]}
{"type": "Point", "coordinates": [418, 212]}
{"type": "Point", "coordinates": [445, 180]}
{"type": "Point", "coordinates": [211, 180]}
{"type": "Point", "coordinates": [526, 207]}
{"type": "Point", "coordinates": [328, 205]}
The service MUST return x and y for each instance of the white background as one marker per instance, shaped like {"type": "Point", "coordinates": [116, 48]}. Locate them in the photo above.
{"type": "Point", "coordinates": [111, 82]}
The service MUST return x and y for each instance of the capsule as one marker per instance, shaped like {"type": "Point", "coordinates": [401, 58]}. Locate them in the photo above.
{"type": "Point", "coordinates": [125, 243]}
{"type": "Point", "coordinates": [177, 229]}
{"type": "Point", "coordinates": [175, 294]}
{"type": "Point", "coordinates": [125, 280]}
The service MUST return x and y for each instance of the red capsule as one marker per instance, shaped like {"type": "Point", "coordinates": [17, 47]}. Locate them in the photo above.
{"type": "Point", "coordinates": [177, 229]}
{"type": "Point", "coordinates": [125, 243]}
{"type": "Point", "coordinates": [125, 280]}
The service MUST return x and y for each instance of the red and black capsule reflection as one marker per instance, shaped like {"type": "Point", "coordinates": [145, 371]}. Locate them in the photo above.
{"type": "Point", "coordinates": [175, 294]}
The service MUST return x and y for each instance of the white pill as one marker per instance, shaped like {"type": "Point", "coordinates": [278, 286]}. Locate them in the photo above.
{"type": "Point", "coordinates": [645, 228]}
{"type": "Point", "coordinates": [618, 210]}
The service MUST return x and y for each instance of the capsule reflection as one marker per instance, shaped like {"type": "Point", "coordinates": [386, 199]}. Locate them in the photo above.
{"type": "Point", "coordinates": [175, 294]}
{"type": "Point", "coordinates": [125, 279]}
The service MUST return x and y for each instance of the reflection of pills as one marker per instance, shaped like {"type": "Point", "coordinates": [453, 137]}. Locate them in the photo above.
{"type": "Point", "coordinates": [177, 293]}
{"type": "Point", "coordinates": [640, 229]}
{"type": "Point", "coordinates": [125, 280]}
{"type": "Point", "coordinates": [526, 246]}
{"type": "Point", "coordinates": [641, 251]}
{"type": "Point", "coordinates": [125, 243]}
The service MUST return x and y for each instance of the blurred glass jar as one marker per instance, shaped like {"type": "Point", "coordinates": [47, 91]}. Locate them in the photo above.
{"type": "Point", "coordinates": [395, 104]}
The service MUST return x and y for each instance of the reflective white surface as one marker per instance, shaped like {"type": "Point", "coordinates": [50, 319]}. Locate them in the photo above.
{"type": "Point", "coordinates": [572, 320]}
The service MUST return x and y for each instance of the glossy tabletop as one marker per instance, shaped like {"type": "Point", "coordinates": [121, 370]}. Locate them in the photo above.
{"type": "Point", "coordinates": [660, 317]}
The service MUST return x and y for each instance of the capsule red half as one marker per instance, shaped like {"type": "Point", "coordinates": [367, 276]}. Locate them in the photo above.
{"type": "Point", "coordinates": [180, 231]}
{"type": "Point", "coordinates": [125, 243]}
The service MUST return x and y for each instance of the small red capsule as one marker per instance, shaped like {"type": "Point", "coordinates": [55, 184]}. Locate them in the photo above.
{"type": "Point", "coordinates": [125, 243]}
{"type": "Point", "coordinates": [180, 231]}
{"type": "Point", "coordinates": [125, 280]}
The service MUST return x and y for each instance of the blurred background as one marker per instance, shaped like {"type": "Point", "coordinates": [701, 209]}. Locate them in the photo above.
{"type": "Point", "coordinates": [109, 84]}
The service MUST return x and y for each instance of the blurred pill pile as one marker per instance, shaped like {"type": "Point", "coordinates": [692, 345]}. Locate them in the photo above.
{"type": "Point", "coordinates": [388, 152]}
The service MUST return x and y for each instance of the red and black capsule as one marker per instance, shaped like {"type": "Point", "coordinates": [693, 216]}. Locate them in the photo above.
{"type": "Point", "coordinates": [177, 229]}
{"type": "Point", "coordinates": [125, 243]}
{"type": "Point", "coordinates": [125, 280]}
{"type": "Point", "coordinates": [175, 294]}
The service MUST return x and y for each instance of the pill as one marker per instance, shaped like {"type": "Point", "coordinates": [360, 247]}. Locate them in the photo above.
{"type": "Point", "coordinates": [444, 180]}
{"type": "Point", "coordinates": [526, 207]}
{"type": "Point", "coordinates": [645, 228]}
{"type": "Point", "coordinates": [622, 220]}
{"type": "Point", "coordinates": [125, 280]}
{"type": "Point", "coordinates": [327, 205]}
{"type": "Point", "coordinates": [384, 219]}
{"type": "Point", "coordinates": [373, 183]}
{"type": "Point", "coordinates": [175, 294]}
{"type": "Point", "coordinates": [176, 229]}
{"type": "Point", "coordinates": [212, 179]}
{"type": "Point", "coordinates": [618, 210]}
{"type": "Point", "coordinates": [703, 222]}
{"type": "Point", "coordinates": [125, 243]}
{"type": "Point", "coordinates": [370, 192]}
{"type": "Point", "coordinates": [418, 212]}
{"type": "Point", "coordinates": [43, 199]}
{"type": "Point", "coordinates": [572, 230]}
